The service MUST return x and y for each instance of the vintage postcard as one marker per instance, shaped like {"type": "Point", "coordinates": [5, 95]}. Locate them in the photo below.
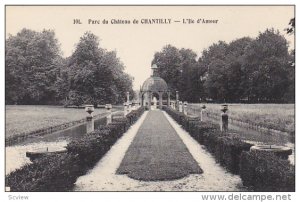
{"type": "Point", "coordinates": [184, 98]}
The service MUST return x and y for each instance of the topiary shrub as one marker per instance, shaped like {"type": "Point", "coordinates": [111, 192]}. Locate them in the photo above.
{"type": "Point", "coordinates": [228, 151]}
{"type": "Point", "coordinates": [100, 122]}
{"type": "Point", "coordinates": [267, 172]}
{"type": "Point", "coordinates": [123, 121]}
{"type": "Point", "coordinates": [176, 115]}
{"type": "Point", "coordinates": [57, 172]}
{"type": "Point", "coordinates": [202, 131]}
{"type": "Point", "coordinates": [94, 145]}
{"type": "Point", "coordinates": [133, 116]}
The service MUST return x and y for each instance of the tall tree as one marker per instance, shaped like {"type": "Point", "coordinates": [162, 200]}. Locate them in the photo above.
{"type": "Point", "coordinates": [266, 62]}
{"type": "Point", "coordinates": [290, 93]}
{"type": "Point", "coordinates": [169, 66]}
{"type": "Point", "coordinates": [190, 74]}
{"type": "Point", "coordinates": [96, 75]}
{"type": "Point", "coordinates": [32, 61]}
{"type": "Point", "coordinates": [179, 69]}
{"type": "Point", "coordinates": [214, 62]}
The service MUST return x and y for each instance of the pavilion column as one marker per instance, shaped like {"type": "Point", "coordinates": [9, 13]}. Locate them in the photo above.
{"type": "Point", "coordinates": [149, 100]}
{"type": "Point", "coordinates": [144, 98]}
{"type": "Point", "coordinates": [160, 99]}
{"type": "Point", "coordinates": [141, 99]}
{"type": "Point", "coordinates": [168, 98]}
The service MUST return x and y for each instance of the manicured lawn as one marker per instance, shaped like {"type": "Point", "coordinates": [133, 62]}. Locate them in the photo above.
{"type": "Point", "coordinates": [157, 152]}
{"type": "Point", "coordinates": [274, 116]}
{"type": "Point", "coordinates": [27, 118]}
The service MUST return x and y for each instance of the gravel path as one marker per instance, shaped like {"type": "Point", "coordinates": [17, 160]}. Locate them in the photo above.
{"type": "Point", "coordinates": [157, 153]}
{"type": "Point", "coordinates": [103, 176]}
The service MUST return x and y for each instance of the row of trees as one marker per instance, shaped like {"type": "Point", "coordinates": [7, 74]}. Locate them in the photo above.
{"type": "Point", "coordinates": [36, 73]}
{"type": "Point", "coordinates": [245, 70]}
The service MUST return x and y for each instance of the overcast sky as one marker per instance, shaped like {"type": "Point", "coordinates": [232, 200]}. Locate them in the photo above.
{"type": "Point", "coordinates": [136, 43]}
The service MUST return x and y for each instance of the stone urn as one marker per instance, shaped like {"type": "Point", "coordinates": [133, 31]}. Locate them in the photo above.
{"type": "Point", "coordinates": [224, 108]}
{"type": "Point", "coordinates": [89, 109]}
{"type": "Point", "coordinates": [108, 106]}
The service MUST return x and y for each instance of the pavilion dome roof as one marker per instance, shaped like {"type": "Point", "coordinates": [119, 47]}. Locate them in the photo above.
{"type": "Point", "coordinates": [155, 84]}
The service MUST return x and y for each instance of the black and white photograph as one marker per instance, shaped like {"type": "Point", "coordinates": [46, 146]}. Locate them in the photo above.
{"type": "Point", "coordinates": [150, 98]}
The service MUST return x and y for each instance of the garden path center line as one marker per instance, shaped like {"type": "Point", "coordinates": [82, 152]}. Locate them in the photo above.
{"type": "Point", "coordinates": [103, 176]}
{"type": "Point", "coordinates": [157, 153]}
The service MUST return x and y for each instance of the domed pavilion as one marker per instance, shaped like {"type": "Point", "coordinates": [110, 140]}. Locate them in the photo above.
{"type": "Point", "coordinates": [154, 85]}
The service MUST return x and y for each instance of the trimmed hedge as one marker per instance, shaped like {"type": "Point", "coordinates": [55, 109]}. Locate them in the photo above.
{"type": "Point", "coordinates": [259, 171]}
{"type": "Point", "coordinates": [59, 172]}
{"type": "Point", "coordinates": [176, 115]}
{"type": "Point", "coordinates": [267, 172]}
{"type": "Point", "coordinates": [53, 173]}
{"type": "Point", "coordinates": [226, 147]}
{"type": "Point", "coordinates": [228, 150]}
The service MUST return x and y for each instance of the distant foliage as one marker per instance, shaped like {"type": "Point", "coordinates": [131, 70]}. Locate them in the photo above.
{"type": "Point", "coordinates": [179, 68]}
{"type": "Point", "coordinates": [36, 73]}
{"type": "Point", "coordinates": [291, 28]}
{"type": "Point", "coordinates": [95, 75]}
{"type": "Point", "coordinates": [245, 70]}
{"type": "Point", "coordinates": [33, 63]}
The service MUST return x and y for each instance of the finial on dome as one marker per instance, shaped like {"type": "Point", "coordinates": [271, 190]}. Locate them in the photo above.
{"type": "Point", "coordinates": [154, 70]}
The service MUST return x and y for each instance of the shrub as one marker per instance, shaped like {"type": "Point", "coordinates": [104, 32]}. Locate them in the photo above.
{"type": "Point", "coordinates": [266, 172]}
{"type": "Point", "coordinates": [226, 147]}
{"type": "Point", "coordinates": [123, 121]}
{"type": "Point", "coordinates": [133, 116]}
{"type": "Point", "coordinates": [200, 130]}
{"type": "Point", "coordinates": [92, 146]}
{"type": "Point", "coordinates": [57, 172]}
{"type": "Point", "coordinates": [176, 115]}
{"type": "Point", "coordinates": [100, 122]}
{"type": "Point", "coordinates": [228, 152]}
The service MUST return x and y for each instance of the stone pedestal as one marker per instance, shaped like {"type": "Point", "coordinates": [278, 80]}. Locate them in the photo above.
{"type": "Point", "coordinates": [185, 108]}
{"type": "Point", "coordinates": [173, 105]}
{"type": "Point", "coordinates": [203, 115]}
{"type": "Point", "coordinates": [224, 122]}
{"type": "Point", "coordinates": [109, 115]}
{"type": "Point", "coordinates": [224, 118]}
{"type": "Point", "coordinates": [89, 124]}
{"type": "Point", "coordinates": [89, 119]}
{"type": "Point", "coordinates": [125, 109]}
{"type": "Point", "coordinates": [180, 106]}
